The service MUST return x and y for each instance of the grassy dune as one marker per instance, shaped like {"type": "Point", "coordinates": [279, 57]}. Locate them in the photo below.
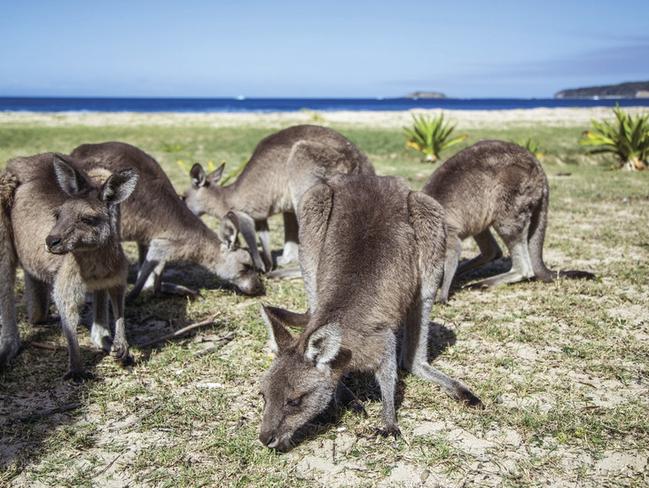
{"type": "Point", "coordinates": [562, 367]}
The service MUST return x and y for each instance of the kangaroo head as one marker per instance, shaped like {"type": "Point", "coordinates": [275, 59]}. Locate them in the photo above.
{"type": "Point", "coordinates": [88, 218]}
{"type": "Point", "coordinates": [302, 379]}
{"type": "Point", "coordinates": [233, 263]}
{"type": "Point", "coordinates": [205, 195]}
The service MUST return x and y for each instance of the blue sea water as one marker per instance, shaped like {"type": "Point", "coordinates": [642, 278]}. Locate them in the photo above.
{"type": "Point", "coordinates": [292, 104]}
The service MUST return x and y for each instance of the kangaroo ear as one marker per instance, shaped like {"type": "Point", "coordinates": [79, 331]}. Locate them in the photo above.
{"type": "Point", "coordinates": [69, 179]}
{"type": "Point", "coordinates": [279, 338]}
{"type": "Point", "coordinates": [119, 186]}
{"type": "Point", "coordinates": [292, 319]}
{"type": "Point", "coordinates": [215, 176]}
{"type": "Point", "coordinates": [242, 222]}
{"type": "Point", "coordinates": [198, 176]}
{"type": "Point", "coordinates": [323, 345]}
{"type": "Point", "coordinates": [229, 230]}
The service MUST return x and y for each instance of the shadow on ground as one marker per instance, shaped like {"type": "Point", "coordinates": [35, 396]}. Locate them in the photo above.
{"type": "Point", "coordinates": [35, 401]}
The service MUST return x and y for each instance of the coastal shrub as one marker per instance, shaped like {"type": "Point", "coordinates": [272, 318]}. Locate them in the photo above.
{"type": "Point", "coordinates": [626, 137]}
{"type": "Point", "coordinates": [431, 135]}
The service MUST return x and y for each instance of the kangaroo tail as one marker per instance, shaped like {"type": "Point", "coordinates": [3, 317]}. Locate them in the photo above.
{"type": "Point", "coordinates": [535, 245]}
{"type": "Point", "coordinates": [537, 237]}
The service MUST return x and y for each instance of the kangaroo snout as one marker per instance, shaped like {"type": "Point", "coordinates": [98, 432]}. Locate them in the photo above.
{"type": "Point", "coordinates": [272, 441]}
{"type": "Point", "coordinates": [53, 243]}
{"type": "Point", "coordinates": [251, 286]}
{"type": "Point", "coordinates": [268, 438]}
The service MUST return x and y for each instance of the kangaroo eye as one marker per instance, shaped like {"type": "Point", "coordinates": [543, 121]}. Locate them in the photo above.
{"type": "Point", "coordinates": [92, 221]}
{"type": "Point", "coordinates": [56, 214]}
{"type": "Point", "coordinates": [294, 402]}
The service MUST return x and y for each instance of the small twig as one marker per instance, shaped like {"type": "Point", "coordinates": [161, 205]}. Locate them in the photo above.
{"type": "Point", "coordinates": [179, 332]}
{"type": "Point", "coordinates": [218, 342]}
{"type": "Point", "coordinates": [111, 463]}
{"type": "Point", "coordinates": [44, 345]}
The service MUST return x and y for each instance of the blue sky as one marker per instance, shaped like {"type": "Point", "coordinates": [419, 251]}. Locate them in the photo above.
{"type": "Point", "coordinates": [310, 49]}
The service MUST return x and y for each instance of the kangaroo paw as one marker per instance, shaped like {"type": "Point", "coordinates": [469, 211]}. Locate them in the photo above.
{"type": "Point", "coordinates": [389, 430]}
{"type": "Point", "coordinates": [78, 375]}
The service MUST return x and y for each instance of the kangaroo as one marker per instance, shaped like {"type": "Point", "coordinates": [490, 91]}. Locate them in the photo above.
{"type": "Point", "coordinates": [63, 228]}
{"type": "Point", "coordinates": [501, 185]}
{"type": "Point", "coordinates": [282, 167]}
{"type": "Point", "coordinates": [372, 256]}
{"type": "Point", "coordinates": [164, 228]}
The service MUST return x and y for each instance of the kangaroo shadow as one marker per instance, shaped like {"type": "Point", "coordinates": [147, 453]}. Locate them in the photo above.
{"type": "Point", "coordinates": [493, 268]}
{"type": "Point", "coordinates": [35, 401]}
{"type": "Point", "coordinates": [189, 275]}
{"type": "Point", "coordinates": [362, 387]}
{"type": "Point", "coordinates": [503, 265]}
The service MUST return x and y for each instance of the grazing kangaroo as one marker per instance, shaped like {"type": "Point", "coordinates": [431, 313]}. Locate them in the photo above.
{"type": "Point", "coordinates": [282, 167]}
{"type": "Point", "coordinates": [166, 230]}
{"type": "Point", "coordinates": [372, 256]}
{"type": "Point", "coordinates": [501, 185]}
{"type": "Point", "coordinates": [63, 227]}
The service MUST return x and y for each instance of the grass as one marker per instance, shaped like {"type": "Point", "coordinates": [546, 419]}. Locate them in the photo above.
{"type": "Point", "coordinates": [561, 367]}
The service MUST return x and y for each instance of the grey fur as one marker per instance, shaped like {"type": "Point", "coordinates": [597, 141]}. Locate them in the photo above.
{"type": "Point", "coordinates": [501, 185]}
{"type": "Point", "coordinates": [372, 255]}
{"type": "Point", "coordinates": [164, 228]}
{"type": "Point", "coordinates": [9, 338]}
{"type": "Point", "coordinates": [65, 232]}
{"type": "Point", "coordinates": [282, 167]}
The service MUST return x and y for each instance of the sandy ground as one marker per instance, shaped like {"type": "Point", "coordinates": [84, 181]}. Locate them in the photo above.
{"type": "Point", "coordinates": [561, 367]}
{"type": "Point", "coordinates": [468, 118]}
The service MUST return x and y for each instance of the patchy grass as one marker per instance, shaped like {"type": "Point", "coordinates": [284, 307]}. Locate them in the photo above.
{"type": "Point", "coordinates": [562, 367]}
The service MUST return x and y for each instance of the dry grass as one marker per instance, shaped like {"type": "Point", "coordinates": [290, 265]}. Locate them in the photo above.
{"type": "Point", "coordinates": [562, 368]}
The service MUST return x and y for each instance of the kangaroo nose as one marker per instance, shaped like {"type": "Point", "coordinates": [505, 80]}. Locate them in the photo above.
{"type": "Point", "coordinates": [267, 439]}
{"type": "Point", "coordinates": [52, 241]}
{"type": "Point", "coordinates": [252, 287]}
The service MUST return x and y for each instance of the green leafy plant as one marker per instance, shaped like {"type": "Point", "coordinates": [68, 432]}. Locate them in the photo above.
{"type": "Point", "coordinates": [534, 147]}
{"type": "Point", "coordinates": [314, 116]}
{"type": "Point", "coordinates": [430, 136]}
{"type": "Point", "coordinates": [627, 137]}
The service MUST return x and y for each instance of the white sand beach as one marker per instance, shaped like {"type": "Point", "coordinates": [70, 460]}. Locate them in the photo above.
{"type": "Point", "coordinates": [568, 117]}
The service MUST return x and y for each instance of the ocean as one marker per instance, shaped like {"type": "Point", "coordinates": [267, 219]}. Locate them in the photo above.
{"type": "Point", "coordinates": [241, 104]}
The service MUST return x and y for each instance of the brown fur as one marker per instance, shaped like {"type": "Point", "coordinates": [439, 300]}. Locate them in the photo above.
{"type": "Point", "coordinates": [163, 226]}
{"type": "Point", "coordinates": [65, 229]}
{"type": "Point", "coordinates": [501, 185]}
{"type": "Point", "coordinates": [9, 340]}
{"type": "Point", "coordinates": [282, 167]}
{"type": "Point", "coordinates": [372, 257]}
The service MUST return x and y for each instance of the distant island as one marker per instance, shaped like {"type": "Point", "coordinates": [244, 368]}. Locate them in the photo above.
{"type": "Point", "coordinates": [635, 89]}
{"type": "Point", "coordinates": [425, 94]}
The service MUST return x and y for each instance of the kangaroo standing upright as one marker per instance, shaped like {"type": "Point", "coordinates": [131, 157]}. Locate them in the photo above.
{"type": "Point", "coordinates": [165, 229]}
{"type": "Point", "coordinates": [282, 167]}
{"type": "Point", "coordinates": [501, 185]}
{"type": "Point", "coordinates": [372, 255]}
{"type": "Point", "coordinates": [65, 234]}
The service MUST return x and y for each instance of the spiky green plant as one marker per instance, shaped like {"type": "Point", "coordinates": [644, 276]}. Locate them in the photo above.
{"type": "Point", "coordinates": [431, 135]}
{"type": "Point", "coordinates": [627, 137]}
